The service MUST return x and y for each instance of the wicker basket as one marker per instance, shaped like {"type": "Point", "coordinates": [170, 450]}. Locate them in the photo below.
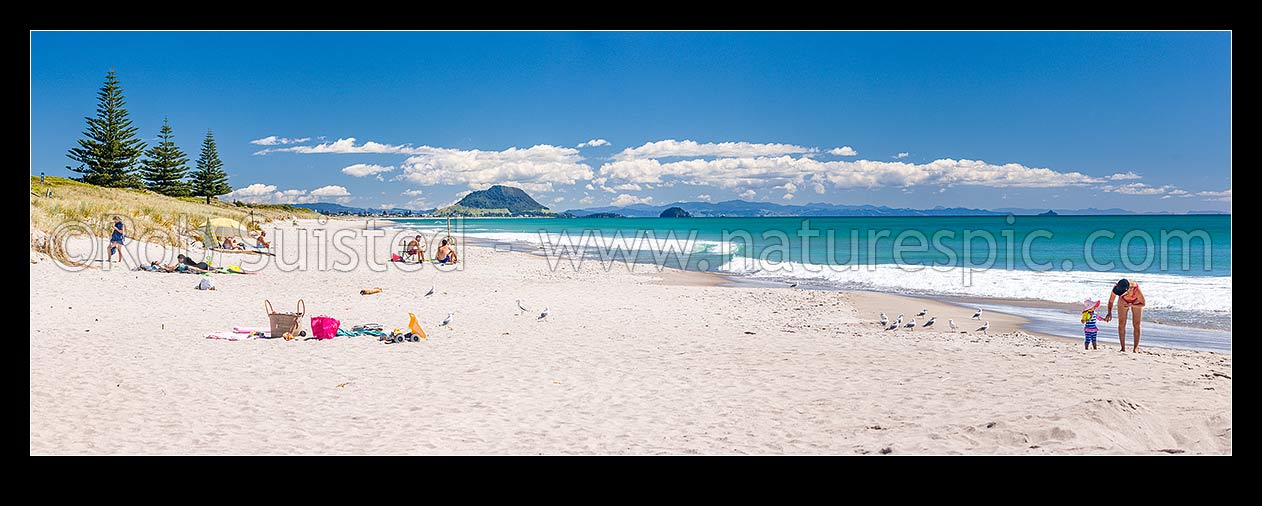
{"type": "Point", "coordinates": [285, 322]}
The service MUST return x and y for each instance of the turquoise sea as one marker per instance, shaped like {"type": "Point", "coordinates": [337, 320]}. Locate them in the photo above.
{"type": "Point", "coordinates": [1183, 262]}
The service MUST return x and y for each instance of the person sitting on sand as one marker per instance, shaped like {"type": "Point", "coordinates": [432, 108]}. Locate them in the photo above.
{"type": "Point", "coordinates": [261, 242]}
{"type": "Point", "coordinates": [116, 240]}
{"type": "Point", "coordinates": [416, 249]}
{"type": "Point", "coordinates": [182, 264]}
{"type": "Point", "coordinates": [1132, 299]}
{"type": "Point", "coordinates": [445, 254]}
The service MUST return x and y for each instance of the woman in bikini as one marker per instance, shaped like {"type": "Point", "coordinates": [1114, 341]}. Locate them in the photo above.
{"type": "Point", "coordinates": [1132, 300]}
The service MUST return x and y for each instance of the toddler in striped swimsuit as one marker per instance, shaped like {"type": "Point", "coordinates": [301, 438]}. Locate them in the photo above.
{"type": "Point", "coordinates": [1088, 322]}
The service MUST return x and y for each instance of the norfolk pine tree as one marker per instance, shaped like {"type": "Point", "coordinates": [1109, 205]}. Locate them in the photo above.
{"type": "Point", "coordinates": [110, 149]}
{"type": "Point", "coordinates": [165, 165]}
{"type": "Point", "coordinates": [209, 179]}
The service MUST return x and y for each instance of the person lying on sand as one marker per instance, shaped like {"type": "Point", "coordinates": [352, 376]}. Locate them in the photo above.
{"type": "Point", "coordinates": [446, 255]}
{"type": "Point", "coordinates": [182, 264]}
{"type": "Point", "coordinates": [231, 243]}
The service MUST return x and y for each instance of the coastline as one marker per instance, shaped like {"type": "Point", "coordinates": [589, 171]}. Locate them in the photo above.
{"type": "Point", "coordinates": [629, 361]}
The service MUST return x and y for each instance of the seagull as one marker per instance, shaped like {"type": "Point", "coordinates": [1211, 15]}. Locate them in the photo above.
{"type": "Point", "coordinates": [952, 324]}
{"type": "Point", "coordinates": [430, 292]}
{"type": "Point", "coordinates": [930, 322]}
{"type": "Point", "coordinates": [885, 320]}
{"type": "Point", "coordinates": [521, 307]}
{"type": "Point", "coordinates": [892, 326]}
{"type": "Point", "coordinates": [899, 320]}
{"type": "Point", "coordinates": [793, 285]}
{"type": "Point", "coordinates": [544, 314]}
{"type": "Point", "coordinates": [983, 328]}
{"type": "Point", "coordinates": [910, 325]}
{"type": "Point", "coordinates": [978, 314]}
{"type": "Point", "coordinates": [923, 312]}
{"type": "Point", "coordinates": [447, 321]}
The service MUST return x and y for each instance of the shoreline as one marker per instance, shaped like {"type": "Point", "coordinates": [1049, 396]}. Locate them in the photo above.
{"type": "Point", "coordinates": [1001, 320]}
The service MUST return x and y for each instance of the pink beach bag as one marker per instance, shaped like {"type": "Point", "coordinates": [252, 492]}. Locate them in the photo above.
{"type": "Point", "coordinates": [324, 327]}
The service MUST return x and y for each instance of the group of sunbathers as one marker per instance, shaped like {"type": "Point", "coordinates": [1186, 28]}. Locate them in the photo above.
{"type": "Point", "coordinates": [446, 254]}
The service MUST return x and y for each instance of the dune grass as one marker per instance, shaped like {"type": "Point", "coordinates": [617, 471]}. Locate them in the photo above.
{"type": "Point", "coordinates": [149, 216]}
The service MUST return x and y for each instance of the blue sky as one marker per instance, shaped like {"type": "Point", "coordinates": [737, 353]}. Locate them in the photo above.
{"type": "Point", "coordinates": [993, 119]}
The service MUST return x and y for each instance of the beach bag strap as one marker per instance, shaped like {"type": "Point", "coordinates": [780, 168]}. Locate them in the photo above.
{"type": "Point", "coordinates": [302, 307]}
{"type": "Point", "coordinates": [267, 305]}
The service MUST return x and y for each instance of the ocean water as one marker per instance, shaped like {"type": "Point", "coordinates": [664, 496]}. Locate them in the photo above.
{"type": "Point", "coordinates": [1182, 262]}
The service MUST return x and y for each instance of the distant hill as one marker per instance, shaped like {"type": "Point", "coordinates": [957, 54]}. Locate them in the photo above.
{"type": "Point", "coordinates": [497, 200]}
{"type": "Point", "coordinates": [741, 208]}
{"type": "Point", "coordinates": [603, 215]}
{"type": "Point", "coordinates": [674, 212]}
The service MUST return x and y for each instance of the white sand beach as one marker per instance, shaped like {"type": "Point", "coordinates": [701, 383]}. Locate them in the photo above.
{"type": "Point", "coordinates": [640, 362]}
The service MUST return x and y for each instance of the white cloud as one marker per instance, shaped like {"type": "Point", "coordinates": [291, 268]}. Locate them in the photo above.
{"type": "Point", "coordinates": [273, 140]}
{"type": "Point", "coordinates": [788, 196]}
{"type": "Point", "coordinates": [558, 200]}
{"type": "Point", "coordinates": [626, 200]}
{"type": "Point", "coordinates": [586, 200]}
{"type": "Point", "coordinates": [818, 188]}
{"type": "Point", "coordinates": [412, 193]}
{"type": "Point", "coordinates": [268, 194]}
{"type": "Point", "coordinates": [1211, 196]}
{"type": "Point", "coordinates": [1124, 176]}
{"type": "Point", "coordinates": [417, 204]}
{"type": "Point", "coordinates": [768, 172]}
{"type": "Point", "coordinates": [385, 206]}
{"type": "Point", "coordinates": [538, 165]}
{"type": "Point", "coordinates": [590, 187]}
{"type": "Point", "coordinates": [254, 190]}
{"type": "Point", "coordinates": [347, 146]}
{"type": "Point", "coordinates": [704, 196]}
{"type": "Point", "coordinates": [330, 191]}
{"type": "Point", "coordinates": [627, 187]}
{"type": "Point", "coordinates": [671, 147]}
{"type": "Point", "coordinates": [1142, 189]}
{"type": "Point", "coordinates": [778, 172]}
{"type": "Point", "coordinates": [904, 154]}
{"type": "Point", "coordinates": [365, 169]}
{"type": "Point", "coordinates": [844, 151]}
{"type": "Point", "coordinates": [594, 143]}
{"type": "Point", "coordinates": [748, 194]}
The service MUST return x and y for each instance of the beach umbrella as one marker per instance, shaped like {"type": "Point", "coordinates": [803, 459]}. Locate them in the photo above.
{"type": "Point", "coordinates": [214, 230]}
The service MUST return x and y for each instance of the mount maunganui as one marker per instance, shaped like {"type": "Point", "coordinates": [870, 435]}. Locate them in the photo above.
{"type": "Point", "coordinates": [496, 201]}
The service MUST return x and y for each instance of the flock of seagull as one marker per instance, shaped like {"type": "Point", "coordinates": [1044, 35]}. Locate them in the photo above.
{"type": "Point", "coordinates": [447, 320]}
{"type": "Point", "coordinates": [898, 322]}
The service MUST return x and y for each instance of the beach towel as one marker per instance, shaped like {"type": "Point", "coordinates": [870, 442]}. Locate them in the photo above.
{"type": "Point", "coordinates": [247, 330]}
{"type": "Point", "coordinates": [235, 336]}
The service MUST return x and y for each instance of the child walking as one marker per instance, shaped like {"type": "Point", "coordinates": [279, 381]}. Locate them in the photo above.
{"type": "Point", "coordinates": [1088, 322]}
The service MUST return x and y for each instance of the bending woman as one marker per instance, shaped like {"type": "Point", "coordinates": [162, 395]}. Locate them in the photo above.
{"type": "Point", "coordinates": [1132, 300]}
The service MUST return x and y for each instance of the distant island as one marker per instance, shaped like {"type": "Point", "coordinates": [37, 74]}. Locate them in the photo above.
{"type": "Point", "coordinates": [497, 201]}
{"type": "Point", "coordinates": [674, 212]}
{"type": "Point", "coordinates": [1049, 213]}
{"type": "Point", "coordinates": [603, 215]}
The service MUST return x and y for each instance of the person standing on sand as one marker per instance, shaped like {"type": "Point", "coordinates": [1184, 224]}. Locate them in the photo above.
{"type": "Point", "coordinates": [116, 240]}
{"type": "Point", "coordinates": [1132, 300]}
